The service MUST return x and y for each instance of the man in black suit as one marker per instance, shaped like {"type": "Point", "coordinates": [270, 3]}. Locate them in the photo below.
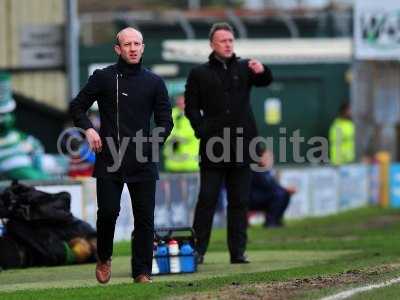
{"type": "Point", "coordinates": [128, 95]}
{"type": "Point", "coordinates": [218, 107]}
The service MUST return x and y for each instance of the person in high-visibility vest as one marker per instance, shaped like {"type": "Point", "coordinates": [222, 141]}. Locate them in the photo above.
{"type": "Point", "coordinates": [182, 147]}
{"type": "Point", "coordinates": [342, 137]}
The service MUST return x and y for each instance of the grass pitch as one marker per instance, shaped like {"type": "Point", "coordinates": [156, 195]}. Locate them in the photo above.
{"type": "Point", "coordinates": [316, 257]}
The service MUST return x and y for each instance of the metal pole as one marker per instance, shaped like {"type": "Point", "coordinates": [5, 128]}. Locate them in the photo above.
{"type": "Point", "coordinates": [237, 22]}
{"type": "Point", "coordinates": [72, 49]}
{"type": "Point", "coordinates": [186, 26]}
{"type": "Point", "coordinates": [194, 4]}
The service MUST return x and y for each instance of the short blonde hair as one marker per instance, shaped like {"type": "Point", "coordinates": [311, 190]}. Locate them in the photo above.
{"type": "Point", "coordinates": [126, 29]}
{"type": "Point", "coordinates": [219, 26]}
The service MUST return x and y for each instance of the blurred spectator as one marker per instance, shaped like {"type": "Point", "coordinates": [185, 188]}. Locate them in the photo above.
{"type": "Point", "coordinates": [182, 147]}
{"type": "Point", "coordinates": [22, 155]}
{"type": "Point", "coordinates": [266, 194]}
{"type": "Point", "coordinates": [342, 137]}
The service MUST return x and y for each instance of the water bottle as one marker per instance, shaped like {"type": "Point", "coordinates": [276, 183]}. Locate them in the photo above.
{"type": "Point", "coordinates": [154, 266]}
{"type": "Point", "coordinates": [162, 258]}
{"type": "Point", "coordinates": [173, 247]}
{"type": "Point", "coordinates": [187, 258]}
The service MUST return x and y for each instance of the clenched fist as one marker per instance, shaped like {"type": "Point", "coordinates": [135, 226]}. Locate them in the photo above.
{"type": "Point", "coordinates": [255, 66]}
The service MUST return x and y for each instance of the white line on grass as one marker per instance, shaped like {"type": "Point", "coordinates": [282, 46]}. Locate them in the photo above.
{"type": "Point", "coordinates": [352, 292]}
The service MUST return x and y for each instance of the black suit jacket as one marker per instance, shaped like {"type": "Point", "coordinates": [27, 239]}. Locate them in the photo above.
{"type": "Point", "coordinates": [217, 99]}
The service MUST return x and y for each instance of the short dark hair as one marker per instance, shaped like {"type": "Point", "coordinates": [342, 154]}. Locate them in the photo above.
{"type": "Point", "coordinates": [219, 26]}
{"type": "Point", "coordinates": [261, 148]}
{"type": "Point", "coordinates": [344, 107]}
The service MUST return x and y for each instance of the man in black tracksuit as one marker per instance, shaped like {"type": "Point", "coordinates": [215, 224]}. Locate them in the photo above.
{"type": "Point", "coordinates": [127, 95]}
{"type": "Point", "coordinates": [217, 105]}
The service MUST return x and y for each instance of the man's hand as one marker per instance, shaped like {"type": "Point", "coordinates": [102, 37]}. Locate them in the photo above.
{"type": "Point", "coordinates": [255, 66]}
{"type": "Point", "coordinates": [93, 139]}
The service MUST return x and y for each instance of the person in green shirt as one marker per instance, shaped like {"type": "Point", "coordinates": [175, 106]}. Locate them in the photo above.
{"type": "Point", "coordinates": [342, 137]}
{"type": "Point", "coordinates": [21, 154]}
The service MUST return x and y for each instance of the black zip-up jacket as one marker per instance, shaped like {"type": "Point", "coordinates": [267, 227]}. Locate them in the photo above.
{"type": "Point", "coordinates": [218, 96]}
{"type": "Point", "coordinates": [127, 96]}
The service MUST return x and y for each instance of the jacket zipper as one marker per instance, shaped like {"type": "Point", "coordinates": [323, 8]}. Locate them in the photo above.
{"type": "Point", "coordinates": [119, 144]}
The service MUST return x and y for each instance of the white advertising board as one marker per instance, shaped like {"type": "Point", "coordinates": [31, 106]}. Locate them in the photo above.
{"type": "Point", "coordinates": [324, 191]}
{"type": "Point", "coordinates": [377, 29]}
{"type": "Point", "coordinates": [353, 186]}
{"type": "Point", "coordinates": [299, 205]}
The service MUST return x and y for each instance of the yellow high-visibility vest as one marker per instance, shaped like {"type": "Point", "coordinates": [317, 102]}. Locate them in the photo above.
{"type": "Point", "coordinates": [183, 157]}
{"type": "Point", "coordinates": [342, 141]}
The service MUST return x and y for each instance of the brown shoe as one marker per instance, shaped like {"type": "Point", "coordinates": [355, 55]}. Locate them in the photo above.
{"type": "Point", "coordinates": [103, 271]}
{"type": "Point", "coordinates": [143, 278]}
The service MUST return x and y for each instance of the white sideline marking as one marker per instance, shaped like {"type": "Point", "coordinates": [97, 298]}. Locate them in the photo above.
{"type": "Point", "coordinates": [349, 293]}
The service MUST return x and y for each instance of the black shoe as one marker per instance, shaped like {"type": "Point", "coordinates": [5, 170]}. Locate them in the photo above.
{"type": "Point", "coordinates": [199, 258]}
{"type": "Point", "coordinates": [272, 225]}
{"type": "Point", "coordinates": [240, 260]}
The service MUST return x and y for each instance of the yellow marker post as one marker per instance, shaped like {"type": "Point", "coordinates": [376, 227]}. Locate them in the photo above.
{"type": "Point", "coordinates": [383, 158]}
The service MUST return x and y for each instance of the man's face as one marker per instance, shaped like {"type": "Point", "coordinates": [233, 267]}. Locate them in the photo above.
{"type": "Point", "coordinates": [180, 103]}
{"type": "Point", "coordinates": [267, 160]}
{"type": "Point", "coordinates": [130, 46]}
{"type": "Point", "coordinates": [222, 43]}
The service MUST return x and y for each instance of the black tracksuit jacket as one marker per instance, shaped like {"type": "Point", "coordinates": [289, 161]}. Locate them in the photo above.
{"type": "Point", "coordinates": [127, 96]}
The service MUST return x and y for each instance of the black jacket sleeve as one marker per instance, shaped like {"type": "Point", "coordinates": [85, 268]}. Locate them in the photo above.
{"type": "Point", "coordinates": [192, 105]}
{"type": "Point", "coordinates": [163, 111]}
{"type": "Point", "coordinates": [80, 105]}
{"type": "Point", "coordinates": [262, 79]}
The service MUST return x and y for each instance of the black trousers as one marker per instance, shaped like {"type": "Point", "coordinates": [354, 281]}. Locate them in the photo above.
{"type": "Point", "coordinates": [237, 182]}
{"type": "Point", "coordinates": [273, 205]}
{"type": "Point", "coordinates": [143, 201]}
